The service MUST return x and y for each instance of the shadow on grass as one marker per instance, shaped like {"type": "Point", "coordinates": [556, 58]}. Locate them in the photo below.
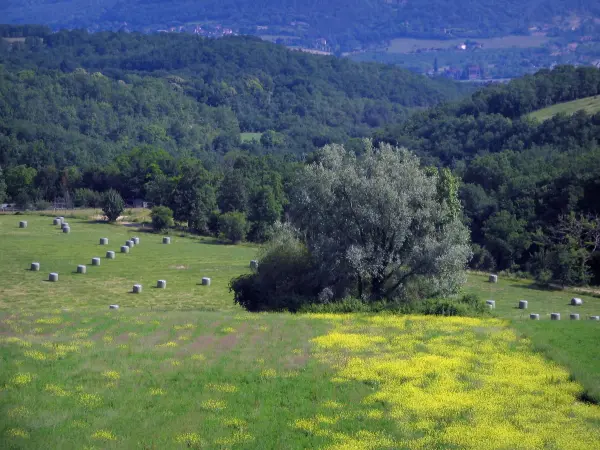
{"type": "Point", "coordinates": [588, 398]}
{"type": "Point", "coordinates": [537, 287]}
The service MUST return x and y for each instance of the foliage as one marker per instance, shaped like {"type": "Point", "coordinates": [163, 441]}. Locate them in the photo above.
{"type": "Point", "coordinates": [113, 205]}
{"type": "Point", "coordinates": [233, 226]}
{"type": "Point", "coordinates": [162, 218]}
{"type": "Point", "coordinates": [378, 221]}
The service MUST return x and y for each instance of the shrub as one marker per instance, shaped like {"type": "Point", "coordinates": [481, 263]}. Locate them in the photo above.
{"type": "Point", "coordinates": [41, 205]}
{"type": "Point", "coordinates": [233, 226]}
{"type": "Point", "coordinates": [87, 198]}
{"type": "Point", "coordinates": [112, 205]}
{"type": "Point", "coordinates": [162, 218]}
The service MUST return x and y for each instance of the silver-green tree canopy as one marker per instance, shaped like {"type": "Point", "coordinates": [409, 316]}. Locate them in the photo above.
{"type": "Point", "coordinates": [378, 221]}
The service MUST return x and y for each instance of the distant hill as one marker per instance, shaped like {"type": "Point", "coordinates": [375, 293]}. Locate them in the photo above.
{"type": "Point", "coordinates": [343, 25]}
{"type": "Point", "coordinates": [590, 105]}
{"type": "Point", "coordinates": [72, 96]}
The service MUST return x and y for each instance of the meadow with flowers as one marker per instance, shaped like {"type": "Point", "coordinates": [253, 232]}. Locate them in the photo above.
{"type": "Point", "coordinates": [185, 368]}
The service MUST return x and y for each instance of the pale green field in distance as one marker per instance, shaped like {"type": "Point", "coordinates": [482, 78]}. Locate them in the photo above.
{"type": "Point", "coordinates": [249, 137]}
{"type": "Point", "coordinates": [589, 104]}
{"type": "Point", "coordinates": [407, 45]}
{"type": "Point", "coordinates": [185, 368]}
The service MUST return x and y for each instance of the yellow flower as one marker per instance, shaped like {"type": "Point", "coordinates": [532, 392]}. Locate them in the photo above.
{"type": "Point", "coordinates": [189, 439]}
{"type": "Point", "coordinates": [111, 374]}
{"type": "Point", "coordinates": [56, 390]}
{"type": "Point", "coordinates": [198, 357]}
{"type": "Point", "coordinates": [228, 330]}
{"type": "Point", "coordinates": [222, 387]}
{"type": "Point", "coordinates": [18, 412]}
{"type": "Point", "coordinates": [21, 379]}
{"type": "Point", "coordinates": [49, 321]}
{"type": "Point", "coordinates": [90, 400]}
{"type": "Point", "coordinates": [268, 373]}
{"type": "Point", "coordinates": [17, 432]}
{"type": "Point", "coordinates": [104, 435]}
{"type": "Point", "coordinates": [214, 405]}
{"type": "Point", "coordinates": [169, 344]}
{"type": "Point", "coordinates": [34, 354]}
{"type": "Point", "coordinates": [157, 391]}
{"type": "Point", "coordinates": [108, 339]}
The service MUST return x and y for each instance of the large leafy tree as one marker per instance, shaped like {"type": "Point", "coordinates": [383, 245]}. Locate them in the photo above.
{"type": "Point", "coordinates": [375, 223]}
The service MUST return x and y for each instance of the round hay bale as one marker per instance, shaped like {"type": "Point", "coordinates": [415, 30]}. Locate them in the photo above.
{"type": "Point", "coordinates": [166, 240]}
{"type": "Point", "coordinates": [555, 316]}
{"type": "Point", "coordinates": [64, 224]}
{"type": "Point", "coordinates": [81, 268]}
{"type": "Point", "coordinates": [254, 264]}
{"type": "Point", "coordinates": [576, 301]}
{"type": "Point", "coordinates": [95, 261]}
{"type": "Point", "coordinates": [23, 224]}
{"type": "Point", "coordinates": [534, 316]}
{"type": "Point", "coordinates": [66, 230]}
{"type": "Point", "coordinates": [35, 266]}
{"type": "Point", "coordinates": [137, 288]}
{"type": "Point", "coordinates": [103, 241]}
{"type": "Point", "coordinates": [161, 284]}
{"type": "Point", "coordinates": [62, 218]}
{"type": "Point", "coordinates": [594, 317]}
{"type": "Point", "coordinates": [130, 244]}
{"type": "Point", "coordinates": [493, 278]}
{"type": "Point", "coordinates": [574, 316]}
{"type": "Point", "coordinates": [491, 303]}
{"type": "Point", "coordinates": [124, 249]}
{"type": "Point", "coordinates": [522, 304]}
{"type": "Point", "coordinates": [110, 255]}
{"type": "Point", "coordinates": [57, 221]}
{"type": "Point", "coordinates": [53, 277]}
{"type": "Point", "coordinates": [113, 306]}
{"type": "Point", "coordinates": [205, 281]}
{"type": "Point", "coordinates": [136, 240]}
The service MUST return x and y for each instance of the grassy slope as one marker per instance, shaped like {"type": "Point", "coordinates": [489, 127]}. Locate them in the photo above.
{"type": "Point", "coordinates": [571, 343]}
{"type": "Point", "coordinates": [185, 368]}
{"type": "Point", "coordinates": [589, 104]}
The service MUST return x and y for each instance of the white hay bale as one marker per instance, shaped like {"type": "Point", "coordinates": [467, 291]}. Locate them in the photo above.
{"type": "Point", "coordinates": [137, 288]}
{"type": "Point", "coordinates": [205, 281]}
{"type": "Point", "coordinates": [124, 249]}
{"type": "Point", "coordinates": [57, 221]}
{"type": "Point", "coordinates": [491, 303]}
{"type": "Point", "coordinates": [66, 230]}
{"type": "Point", "coordinates": [576, 301]}
{"type": "Point", "coordinates": [64, 224]}
{"type": "Point", "coordinates": [493, 278]}
{"type": "Point", "coordinates": [166, 240]}
{"type": "Point", "coordinates": [161, 284]}
{"type": "Point", "coordinates": [53, 277]}
{"type": "Point", "coordinates": [136, 240]}
{"type": "Point", "coordinates": [35, 266]}
{"type": "Point", "coordinates": [62, 218]}
{"type": "Point", "coordinates": [95, 261]}
{"type": "Point", "coordinates": [523, 304]}
{"type": "Point", "coordinates": [130, 244]}
{"type": "Point", "coordinates": [254, 264]}
{"type": "Point", "coordinates": [574, 316]}
{"type": "Point", "coordinates": [594, 317]}
{"type": "Point", "coordinates": [23, 224]}
{"type": "Point", "coordinates": [103, 241]}
{"type": "Point", "coordinates": [81, 268]}
{"type": "Point", "coordinates": [110, 255]}
{"type": "Point", "coordinates": [113, 306]}
{"type": "Point", "coordinates": [534, 316]}
{"type": "Point", "coordinates": [555, 316]}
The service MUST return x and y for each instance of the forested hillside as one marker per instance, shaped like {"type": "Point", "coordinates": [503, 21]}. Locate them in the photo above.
{"type": "Point", "coordinates": [344, 24]}
{"type": "Point", "coordinates": [76, 97]}
{"type": "Point", "coordinates": [520, 176]}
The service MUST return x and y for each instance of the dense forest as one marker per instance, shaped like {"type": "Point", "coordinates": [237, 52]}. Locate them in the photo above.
{"type": "Point", "coordinates": [345, 25]}
{"type": "Point", "coordinates": [97, 94]}
{"type": "Point", "coordinates": [159, 120]}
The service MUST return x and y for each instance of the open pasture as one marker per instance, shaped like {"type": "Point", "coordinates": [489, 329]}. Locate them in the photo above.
{"type": "Point", "coordinates": [591, 105]}
{"type": "Point", "coordinates": [182, 264]}
{"type": "Point", "coordinates": [183, 367]}
{"type": "Point", "coordinates": [408, 45]}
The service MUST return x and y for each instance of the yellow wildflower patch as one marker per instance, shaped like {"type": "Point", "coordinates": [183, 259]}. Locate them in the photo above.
{"type": "Point", "coordinates": [214, 405]}
{"type": "Point", "coordinates": [170, 344]}
{"type": "Point", "coordinates": [17, 432]}
{"type": "Point", "coordinates": [89, 400]}
{"type": "Point", "coordinates": [57, 391]}
{"type": "Point", "coordinates": [453, 383]}
{"type": "Point", "coordinates": [268, 373]}
{"type": "Point", "coordinates": [49, 321]}
{"type": "Point", "coordinates": [37, 355]}
{"type": "Point", "coordinates": [104, 435]}
{"type": "Point", "coordinates": [21, 379]}
{"type": "Point", "coordinates": [111, 374]}
{"type": "Point", "coordinates": [228, 330]}
{"type": "Point", "coordinates": [157, 391]}
{"type": "Point", "coordinates": [15, 340]}
{"type": "Point", "coordinates": [187, 326]}
{"type": "Point", "coordinates": [222, 387]}
{"type": "Point", "coordinates": [18, 412]}
{"type": "Point", "coordinates": [107, 339]}
{"type": "Point", "coordinates": [189, 439]}
{"type": "Point", "coordinates": [198, 357]}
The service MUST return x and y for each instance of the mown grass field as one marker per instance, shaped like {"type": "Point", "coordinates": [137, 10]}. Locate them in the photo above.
{"type": "Point", "coordinates": [588, 104]}
{"type": "Point", "coordinates": [185, 368]}
{"type": "Point", "coordinates": [407, 45]}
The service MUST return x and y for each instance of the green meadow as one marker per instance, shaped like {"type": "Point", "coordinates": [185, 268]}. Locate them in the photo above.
{"type": "Point", "coordinates": [185, 368]}
{"type": "Point", "coordinates": [591, 105]}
